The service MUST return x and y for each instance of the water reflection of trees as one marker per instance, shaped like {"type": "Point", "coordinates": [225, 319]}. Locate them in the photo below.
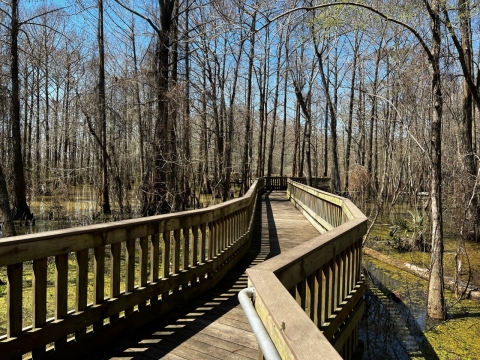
{"type": "Point", "coordinates": [378, 330]}
{"type": "Point", "coordinates": [392, 328]}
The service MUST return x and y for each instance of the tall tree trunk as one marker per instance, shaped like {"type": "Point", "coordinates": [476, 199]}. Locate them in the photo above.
{"type": "Point", "coordinates": [284, 130]}
{"type": "Point", "coordinates": [333, 122]}
{"type": "Point", "coordinates": [102, 113]}
{"type": "Point", "coordinates": [436, 297]}
{"type": "Point", "coordinates": [22, 209]}
{"type": "Point", "coordinates": [274, 115]}
{"type": "Point", "coordinates": [8, 227]}
{"type": "Point", "coordinates": [247, 149]}
{"type": "Point", "coordinates": [350, 111]}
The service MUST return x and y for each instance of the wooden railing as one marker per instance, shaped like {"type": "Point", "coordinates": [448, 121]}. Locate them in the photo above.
{"type": "Point", "coordinates": [132, 271]}
{"type": "Point", "coordinates": [280, 183]}
{"type": "Point", "coordinates": [310, 297]}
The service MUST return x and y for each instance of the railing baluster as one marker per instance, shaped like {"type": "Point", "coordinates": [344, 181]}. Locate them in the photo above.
{"type": "Point", "coordinates": [165, 259]}
{"type": "Point", "coordinates": [115, 260]}
{"type": "Point", "coordinates": [61, 295]}
{"type": "Point", "coordinates": [39, 286]}
{"type": "Point", "coordinates": [203, 244]}
{"type": "Point", "coordinates": [166, 254]}
{"type": "Point", "coordinates": [212, 240]}
{"type": "Point", "coordinates": [82, 286]}
{"type": "Point", "coordinates": [99, 280]}
{"type": "Point", "coordinates": [14, 300]}
{"type": "Point", "coordinates": [194, 254]}
{"type": "Point", "coordinates": [185, 248]}
{"type": "Point", "coordinates": [311, 297]}
{"type": "Point", "coordinates": [143, 263]}
{"type": "Point", "coordinates": [176, 251]}
{"type": "Point", "coordinates": [130, 271]}
{"type": "Point", "coordinates": [154, 262]}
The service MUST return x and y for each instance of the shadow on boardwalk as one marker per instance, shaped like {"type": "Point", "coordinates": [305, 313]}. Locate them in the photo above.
{"type": "Point", "coordinates": [212, 326]}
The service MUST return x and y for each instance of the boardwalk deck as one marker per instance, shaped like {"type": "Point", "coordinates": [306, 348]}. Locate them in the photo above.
{"type": "Point", "coordinates": [214, 326]}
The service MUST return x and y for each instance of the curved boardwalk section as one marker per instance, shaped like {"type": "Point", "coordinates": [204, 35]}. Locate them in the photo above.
{"type": "Point", "coordinates": [214, 326]}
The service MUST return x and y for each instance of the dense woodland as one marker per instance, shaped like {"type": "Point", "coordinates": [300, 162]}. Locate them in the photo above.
{"type": "Point", "coordinates": [171, 99]}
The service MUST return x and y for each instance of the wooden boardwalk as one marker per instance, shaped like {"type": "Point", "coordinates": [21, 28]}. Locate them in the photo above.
{"type": "Point", "coordinates": [213, 326]}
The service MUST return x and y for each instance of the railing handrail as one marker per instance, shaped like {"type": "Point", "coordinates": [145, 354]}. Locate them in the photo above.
{"type": "Point", "coordinates": [306, 295]}
{"type": "Point", "coordinates": [264, 341]}
{"type": "Point", "coordinates": [189, 253]}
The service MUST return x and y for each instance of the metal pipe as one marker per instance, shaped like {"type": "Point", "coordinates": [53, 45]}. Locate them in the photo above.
{"type": "Point", "coordinates": [266, 345]}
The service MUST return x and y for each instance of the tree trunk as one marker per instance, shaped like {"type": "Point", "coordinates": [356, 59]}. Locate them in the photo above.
{"type": "Point", "coordinates": [436, 297]}
{"type": "Point", "coordinates": [102, 114]}
{"type": "Point", "coordinates": [8, 228]}
{"type": "Point", "coordinates": [350, 111]}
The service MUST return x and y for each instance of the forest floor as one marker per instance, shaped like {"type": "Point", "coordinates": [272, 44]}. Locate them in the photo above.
{"type": "Point", "coordinates": [459, 336]}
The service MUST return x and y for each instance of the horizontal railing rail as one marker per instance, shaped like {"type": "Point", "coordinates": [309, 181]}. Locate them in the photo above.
{"type": "Point", "coordinates": [310, 297]}
{"type": "Point", "coordinates": [281, 183]}
{"type": "Point", "coordinates": [105, 280]}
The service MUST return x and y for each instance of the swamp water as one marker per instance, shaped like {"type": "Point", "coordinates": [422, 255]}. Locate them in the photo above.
{"type": "Point", "coordinates": [395, 316]}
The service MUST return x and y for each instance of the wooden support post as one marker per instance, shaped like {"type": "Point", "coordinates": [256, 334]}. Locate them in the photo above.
{"type": "Point", "coordinates": [61, 295]}
{"type": "Point", "coordinates": [39, 286]}
{"type": "Point", "coordinates": [115, 259]}
{"type": "Point", "coordinates": [130, 271]}
{"type": "Point", "coordinates": [82, 287]}
{"type": "Point", "coordinates": [143, 259]}
{"type": "Point", "coordinates": [98, 280]}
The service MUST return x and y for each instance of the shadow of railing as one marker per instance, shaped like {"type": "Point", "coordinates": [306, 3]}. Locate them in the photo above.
{"type": "Point", "coordinates": [189, 324]}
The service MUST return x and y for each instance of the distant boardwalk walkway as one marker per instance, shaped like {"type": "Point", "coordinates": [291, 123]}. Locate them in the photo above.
{"type": "Point", "coordinates": [213, 326]}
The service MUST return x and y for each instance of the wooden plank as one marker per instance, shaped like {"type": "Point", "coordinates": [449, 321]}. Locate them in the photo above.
{"type": "Point", "coordinates": [39, 285]}
{"type": "Point", "coordinates": [295, 336]}
{"type": "Point", "coordinates": [176, 252]}
{"type": "Point", "coordinates": [18, 249]}
{"type": "Point", "coordinates": [82, 286]}
{"type": "Point", "coordinates": [61, 294]}
{"type": "Point", "coordinates": [154, 262]}
{"type": "Point", "coordinates": [130, 271]}
{"type": "Point", "coordinates": [14, 303]}
{"type": "Point", "coordinates": [203, 246]}
{"type": "Point", "coordinates": [335, 322]}
{"type": "Point", "coordinates": [143, 264]}
{"type": "Point", "coordinates": [194, 252]}
{"type": "Point", "coordinates": [98, 280]}
{"type": "Point", "coordinates": [185, 248]}
{"type": "Point", "coordinates": [115, 261]}
{"type": "Point", "coordinates": [166, 254]}
{"type": "Point", "coordinates": [210, 240]}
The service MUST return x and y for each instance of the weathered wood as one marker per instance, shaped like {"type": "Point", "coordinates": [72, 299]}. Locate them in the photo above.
{"type": "Point", "coordinates": [130, 271]}
{"type": "Point", "coordinates": [143, 264]}
{"type": "Point", "coordinates": [115, 261]}
{"type": "Point", "coordinates": [176, 252]}
{"type": "Point", "coordinates": [194, 252]}
{"type": "Point", "coordinates": [321, 270]}
{"type": "Point", "coordinates": [59, 244]}
{"type": "Point", "coordinates": [39, 286]}
{"type": "Point", "coordinates": [14, 299]}
{"type": "Point", "coordinates": [23, 248]}
{"type": "Point", "coordinates": [98, 280]}
{"type": "Point", "coordinates": [203, 244]}
{"type": "Point", "coordinates": [154, 262]}
{"type": "Point", "coordinates": [166, 254]}
{"type": "Point", "coordinates": [82, 286]}
{"type": "Point", "coordinates": [185, 248]}
{"type": "Point", "coordinates": [61, 294]}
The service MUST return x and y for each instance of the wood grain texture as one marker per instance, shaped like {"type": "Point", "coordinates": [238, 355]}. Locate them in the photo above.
{"type": "Point", "coordinates": [215, 328]}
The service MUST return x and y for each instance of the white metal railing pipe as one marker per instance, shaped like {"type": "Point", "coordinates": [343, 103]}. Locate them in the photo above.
{"type": "Point", "coordinates": [264, 341]}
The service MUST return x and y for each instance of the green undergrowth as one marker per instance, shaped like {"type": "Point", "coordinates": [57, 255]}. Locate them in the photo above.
{"type": "Point", "coordinates": [380, 239]}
